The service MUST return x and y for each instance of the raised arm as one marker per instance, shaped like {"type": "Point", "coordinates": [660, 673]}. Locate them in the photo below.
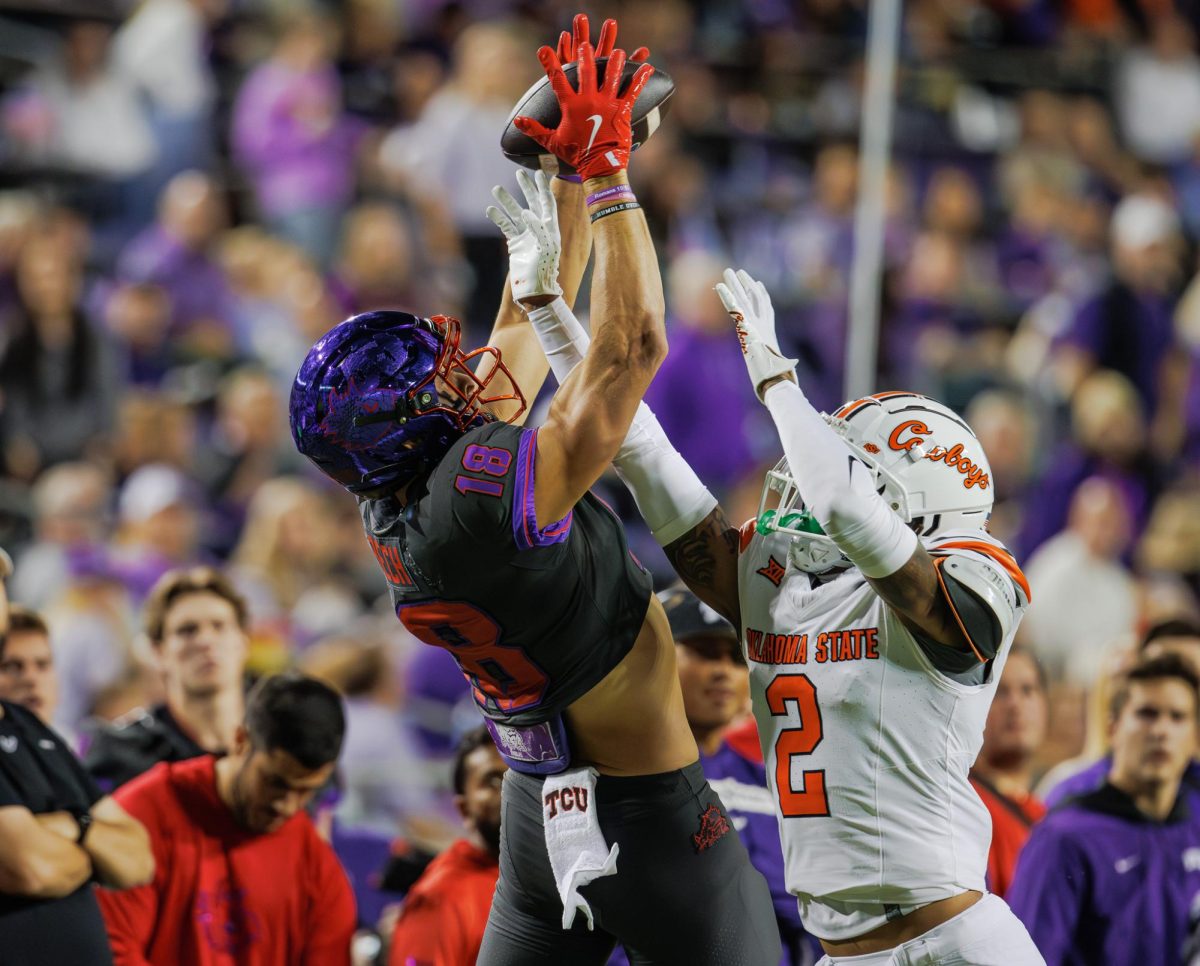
{"type": "Point", "coordinates": [838, 489]}
{"type": "Point", "coordinates": [592, 411]}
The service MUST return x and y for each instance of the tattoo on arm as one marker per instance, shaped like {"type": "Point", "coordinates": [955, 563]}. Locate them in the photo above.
{"type": "Point", "coordinates": [706, 560]}
{"type": "Point", "coordinates": [915, 594]}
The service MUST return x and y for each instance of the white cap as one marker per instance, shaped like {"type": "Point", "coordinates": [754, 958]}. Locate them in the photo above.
{"type": "Point", "coordinates": [151, 489]}
{"type": "Point", "coordinates": [1141, 220]}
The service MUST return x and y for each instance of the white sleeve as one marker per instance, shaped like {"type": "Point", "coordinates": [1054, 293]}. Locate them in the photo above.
{"type": "Point", "coordinates": [669, 495]}
{"type": "Point", "coordinates": [837, 488]}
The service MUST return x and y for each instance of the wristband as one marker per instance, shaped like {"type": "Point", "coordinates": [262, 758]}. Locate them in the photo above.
{"type": "Point", "coordinates": [612, 193]}
{"type": "Point", "coordinates": [573, 178]}
{"type": "Point", "coordinates": [613, 209]}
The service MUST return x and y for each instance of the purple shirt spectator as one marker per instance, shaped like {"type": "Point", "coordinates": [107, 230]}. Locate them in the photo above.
{"type": "Point", "coordinates": [290, 134]}
{"type": "Point", "coordinates": [1099, 882]}
{"type": "Point", "coordinates": [197, 287]}
{"type": "Point", "coordinates": [1087, 781]}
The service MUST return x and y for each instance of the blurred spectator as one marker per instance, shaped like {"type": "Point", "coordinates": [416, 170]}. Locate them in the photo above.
{"type": "Point", "coordinates": [1006, 424]}
{"type": "Point", "coordinates": [78, 113]}
{"type": "Point", "coordinates": [385, 783]}
{"type": "Point", "coordinates": [1106, 877]}
{"type": "Point", "coordinates": [27, 674]}
{"type": "Point", "coordinates": [58, 372]}
{"type": "Point", "coordinates": [284, 564]}
{"type": "Point", "coordinates": [1128, 326]}
{"type": "Point", "coordinates": [58, 833]}
{"type": "Point", "coordinates": [162, 49]}
{"type": "Point", "coordinates": [195, 623]}
{"type": "Point", "coordinates": [138, 314]}
{"type": "Point", "coordinates": [445, 912]}
{"type": "Point", "coordinates": [1085, 596]}
{"type": "Point", "coordinates": [159, 521]}
{"type": "Point", "coordinates": [1003, 772]}
{"type": "Point", "coordinates": [716, 693]}
{"type": "Point", "coordinates": [242, 874]}
{"type": "Point", "coordinates": [1108, 439]}
{"type": "Point", "coordinates": [1158, 90]}
{"type": "Point", "coordinates": [174, 254]}
{"type": "Point", "coordinates": [72, 505]}
{"type": "Point", "coordinates": [376, 266]}
{"type": "Point", "coordinates": [705, 365]}
{"type": "Point", "coordinates": [439, 155]}
{"type": "Point", "coordinates": [1177, 637]}
{"type": "Point", "coordinates": [293, 139]}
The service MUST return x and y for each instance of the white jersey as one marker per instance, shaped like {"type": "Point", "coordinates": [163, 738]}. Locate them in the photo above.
{"type": "Point", "coordinates": [867, 745]}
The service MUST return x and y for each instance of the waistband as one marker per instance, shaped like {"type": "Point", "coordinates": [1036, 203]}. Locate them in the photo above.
{"type": "Point", "coordinates": [616, 787]}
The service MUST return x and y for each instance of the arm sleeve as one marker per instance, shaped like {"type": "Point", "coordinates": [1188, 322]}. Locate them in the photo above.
{"type": "Point", "coordinates": [333, 914]}
{"type": "Point", "coordinates": [837, 488]}
{"type": "Point", "coordinates": [1048, 890]}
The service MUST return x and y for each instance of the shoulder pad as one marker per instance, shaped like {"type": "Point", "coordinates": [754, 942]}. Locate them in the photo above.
{"type": "Point", "coordinates": [994, 588]}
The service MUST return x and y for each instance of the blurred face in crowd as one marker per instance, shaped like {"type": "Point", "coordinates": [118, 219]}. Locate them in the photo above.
{"type": "Point", "coordinates": [203, 649]}
{"type": "Point", "coordinates": [714, 680]}
{"type": "Point", "coordinates": [479, 804]}
{"type": "Point", "coordinates": [27, 674]}
{"type": "Point", "coordinates": [270, 786]}
{"type": "Point", "coordinates": [1016, 722]}
{"type": "Point", "coordinates": [47, 278]}
{"type": "Point", "coordinates": [1154, 735]}
{"type": "Point", "coordinates": [192, 209]}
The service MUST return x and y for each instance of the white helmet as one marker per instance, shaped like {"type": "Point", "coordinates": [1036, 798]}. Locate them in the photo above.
{"type": "Point", "coordinates": [927, 464]}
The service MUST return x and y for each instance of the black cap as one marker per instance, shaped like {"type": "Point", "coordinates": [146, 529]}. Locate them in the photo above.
{"type": "Point", "coordinates": [691, 617]}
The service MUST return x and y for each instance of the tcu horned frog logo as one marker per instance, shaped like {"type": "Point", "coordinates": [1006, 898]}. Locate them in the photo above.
{"type": "Point", "coordinates": [910, 433]}
{"type": "Point", "coordinates": [713, 827]}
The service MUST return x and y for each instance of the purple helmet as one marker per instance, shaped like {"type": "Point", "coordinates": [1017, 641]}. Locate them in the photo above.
{"type": "Point", "coordinates": [382, 396]}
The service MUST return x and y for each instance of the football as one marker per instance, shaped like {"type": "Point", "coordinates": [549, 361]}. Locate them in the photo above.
{"type": "Point", "coordinates": [540, 104]}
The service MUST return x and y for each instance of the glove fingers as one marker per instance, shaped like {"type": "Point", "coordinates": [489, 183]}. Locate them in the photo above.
{"type": "Point", "coordinates": [546, 197]}
{"type": "Point", "coordinates": [734, 287]}
{"type": "Point", "coordinates": [638, 82]}
{"type": "Point", "coordinates": [608, 38]}
{"type": "Point", "coordinates": [509, 204]}
{"type": "Point", "coordinates": [641, 55]}
{"type": "Point", "coordinates": [581, 32]}
{"type": "Point", "coordinates": [613, 71]}
{"type": "Point", "coordinates": [566, 50]}
{"type": "Point", "coordinates": [501, 221]}
{"type": "Point", "coordinates": [729, 300]}
{"type": "Point", "coordinates": [529, 189]}
{"type": "Point", "coordinates": [553, 68]}
{"type": "Point", "coordinates": [534, 129]}
{"type": "Point", "coordinates": [587, 68]}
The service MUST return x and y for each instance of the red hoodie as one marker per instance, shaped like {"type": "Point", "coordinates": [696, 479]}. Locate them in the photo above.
{"type": "Point", "coordinates": [446, 911]}
{"type": "Point", "coordinates": [222, 896]}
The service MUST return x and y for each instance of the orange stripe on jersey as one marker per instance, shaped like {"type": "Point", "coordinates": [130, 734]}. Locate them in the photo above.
{"type": "Point", "coordinates": [746, 532]}
{"type": "Point", "coordinates": [937, 566]}
{"type": "Point", "coordinates": [998, 554]}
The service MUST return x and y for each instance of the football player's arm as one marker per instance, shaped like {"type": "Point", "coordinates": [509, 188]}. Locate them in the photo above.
{"type": "Point", "coordinates": [593, 409]}
{"type": "Point", "coordinates": [511, 334]}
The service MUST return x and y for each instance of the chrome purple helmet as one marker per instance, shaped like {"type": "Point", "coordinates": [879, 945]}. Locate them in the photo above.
{"type": "Point", "coordinates": [382, 396]}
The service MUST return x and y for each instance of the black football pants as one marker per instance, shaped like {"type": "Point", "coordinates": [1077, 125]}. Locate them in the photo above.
{"type": "Point", "coordinates": [684, 892]}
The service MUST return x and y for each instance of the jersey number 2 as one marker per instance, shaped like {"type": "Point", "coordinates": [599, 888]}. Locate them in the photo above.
{"type": "Point", "coordinates": [501, 675]}
{"type": "Point", "coordinates": [799, 691]}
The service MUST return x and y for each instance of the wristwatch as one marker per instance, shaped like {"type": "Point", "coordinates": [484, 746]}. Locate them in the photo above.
{"type": "Point", "coordinates": [83, 818]}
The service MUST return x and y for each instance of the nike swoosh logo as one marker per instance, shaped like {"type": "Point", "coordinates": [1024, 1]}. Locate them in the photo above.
{"type": "Point", "coordinates": [596, 121]}
{"type": "Point", "coordinates": [1124, 865]}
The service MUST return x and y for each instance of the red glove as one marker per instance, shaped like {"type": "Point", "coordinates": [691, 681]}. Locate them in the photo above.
{"type": "Point", "coordinates": [569, 43]}
{"type": "Point", "coordinates": [595, 134]}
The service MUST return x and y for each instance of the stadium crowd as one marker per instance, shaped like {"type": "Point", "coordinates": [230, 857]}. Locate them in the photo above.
{"type": "Point", "coordinates": [192, 191]}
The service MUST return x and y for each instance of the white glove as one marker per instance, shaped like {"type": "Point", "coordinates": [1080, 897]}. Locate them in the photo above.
{"type": "Point", "coordinates": [749, 305]}
{"type": "Point", "coordinates": [534, 243]}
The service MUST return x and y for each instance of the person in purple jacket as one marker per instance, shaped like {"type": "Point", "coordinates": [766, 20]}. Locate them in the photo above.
{"type": "Point", "coordinates": [716, 689]}
{"type": "Point", "coordinates": [1113, 876]}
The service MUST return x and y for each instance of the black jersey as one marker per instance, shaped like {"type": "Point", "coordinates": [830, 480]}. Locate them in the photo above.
{"type": "Point", "coordinates": [534, 618]}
